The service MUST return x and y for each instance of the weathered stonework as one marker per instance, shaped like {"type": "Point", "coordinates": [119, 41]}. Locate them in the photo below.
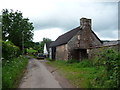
{"type": "Point", "coordinates": [62, 52]}
{"type": "Point", "coordinates": [78, 45]}
{"type": "Point", "coordinates": [93, 52]}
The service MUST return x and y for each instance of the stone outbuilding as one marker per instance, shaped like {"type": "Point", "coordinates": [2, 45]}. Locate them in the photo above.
{"type": "Point", "coordinates": [75, 43]}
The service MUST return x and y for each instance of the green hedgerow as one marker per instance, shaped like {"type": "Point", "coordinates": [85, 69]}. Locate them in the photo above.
{"type": "Point", "coordinates": [109, 58]}
{"type": "Point", "coordinates": [9, 50]}
{"type": "Point", "coordinates": [12, 71]}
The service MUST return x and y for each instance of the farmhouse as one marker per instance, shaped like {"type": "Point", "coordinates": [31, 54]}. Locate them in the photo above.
{"type": "Point", "coordinates": [75, 43]}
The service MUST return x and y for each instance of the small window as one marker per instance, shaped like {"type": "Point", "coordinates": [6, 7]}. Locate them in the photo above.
{"type": "Point", "coordinates": [78, 37]}
{"type": "Point", "coordinates": [66, 47]}
{"type": "Point", "coordinates": [88, 51]}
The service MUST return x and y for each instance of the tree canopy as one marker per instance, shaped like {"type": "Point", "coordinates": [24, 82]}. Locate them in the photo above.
{"type": "Point", "coordinates": [16, 28]}
{"type": "Point", "coordinates": [0, 27]}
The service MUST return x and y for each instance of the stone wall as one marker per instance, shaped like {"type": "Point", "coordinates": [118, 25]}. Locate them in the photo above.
{"type": "Point", "coordinates": [52, 51]}
{"type": "Point", "coordinates": [92, 52]}
{"type": "Point", "coordinates": [72, 45]}
{"type": "Point", "coordinates": [62, 52]}
{"type": "Point", "coordinates": [77, 46]}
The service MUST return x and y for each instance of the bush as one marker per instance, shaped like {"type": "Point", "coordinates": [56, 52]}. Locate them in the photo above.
{"type": "Point", "coordinates": [9, 50]}
{"type": "Point", "coordinates": [12, 72]}
{"type": "Point", "coordinates": [111, 61]}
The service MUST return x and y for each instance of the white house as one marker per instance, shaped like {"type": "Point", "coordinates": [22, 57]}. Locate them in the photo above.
{"type": "Point", "coordinates": [45, 50]}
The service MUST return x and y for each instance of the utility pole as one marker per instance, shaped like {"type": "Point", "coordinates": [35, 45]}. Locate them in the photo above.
{"type": "Point", "coordinates": [22, 43]}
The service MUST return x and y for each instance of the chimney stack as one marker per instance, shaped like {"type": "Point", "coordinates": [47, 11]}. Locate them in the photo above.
{"type": "Point", "coordinates": [85, 23]}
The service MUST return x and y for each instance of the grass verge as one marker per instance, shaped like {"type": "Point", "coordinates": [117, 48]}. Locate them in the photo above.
{"type": "Point", "coordinates": [0, 75]}
{"type": "Point", "coordinates": [12, 72]}
{"type": "Point", "coordinates": [81, 75]}
{"type": "Point", "coordinates": [103, 71]}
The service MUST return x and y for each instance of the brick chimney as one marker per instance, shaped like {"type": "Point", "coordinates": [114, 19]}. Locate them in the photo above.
{"type": "Point", "coordinates": [85, 23]}
{"type": "Point", "coordinates": [86, 35]}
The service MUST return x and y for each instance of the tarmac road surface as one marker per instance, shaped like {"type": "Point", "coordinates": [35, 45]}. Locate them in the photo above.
{"type": "Point", "coordinates": [37, 76]}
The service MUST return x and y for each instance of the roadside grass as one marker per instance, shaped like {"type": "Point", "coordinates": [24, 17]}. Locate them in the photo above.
{"type": "Point", "coordinates": [12, 72]}
{"type": "Point", "coordinates": [103, 71]}
{"type": "Point", "coordinates": [81, 75]}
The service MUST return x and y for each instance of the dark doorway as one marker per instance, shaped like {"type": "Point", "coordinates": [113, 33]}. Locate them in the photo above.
{"type": "Point", "coordinates": [80, 54]}
{"type": "Point", "coordinates": [53, 53]}
{"type": "Point", "coordinates": [83, 53]}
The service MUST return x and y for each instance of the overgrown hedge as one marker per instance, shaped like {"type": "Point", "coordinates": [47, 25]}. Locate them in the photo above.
{"type": "Point", "coordinates": [12, 71]}
{"type": "Point", "coordinates": [110, 59]}
{"type": "Point", "coordinates": [9, 50]}
{"type": "Point", "coordinates": [13, 65]}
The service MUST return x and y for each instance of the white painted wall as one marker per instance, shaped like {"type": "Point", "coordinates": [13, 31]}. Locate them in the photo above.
{"type": "Point", "coordinates": [50, 53]}
{"type": "Point", "coordinates": [45, 50]}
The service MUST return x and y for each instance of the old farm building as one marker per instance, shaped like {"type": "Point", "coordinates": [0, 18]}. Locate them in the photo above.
{"type": "Point", "coordinates": [75, 43]}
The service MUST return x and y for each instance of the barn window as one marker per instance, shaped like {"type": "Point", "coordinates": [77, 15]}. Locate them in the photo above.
{"type": "Point", "coordinates": [87, 51]}
{"type": "Point", "coordinates": [66, 47]}
{"type": "Point", "coordinates": [78, 37]}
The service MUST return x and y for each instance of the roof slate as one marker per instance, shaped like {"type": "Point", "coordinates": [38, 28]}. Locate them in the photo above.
{"type": "Point", "coordinates": [64, 38]}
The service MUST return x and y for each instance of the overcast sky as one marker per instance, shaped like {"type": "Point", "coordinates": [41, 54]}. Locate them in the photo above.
{"type": "Point", "coordinates": [51, 18]}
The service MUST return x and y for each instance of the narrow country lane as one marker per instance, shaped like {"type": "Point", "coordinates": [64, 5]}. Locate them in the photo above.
{"type": "Point", "coordinates": [37, 76]}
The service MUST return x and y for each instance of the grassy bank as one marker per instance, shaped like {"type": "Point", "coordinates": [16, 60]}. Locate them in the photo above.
{"type": "Point", "coordinates": [79, 75]}
{"type": "Point", "coordinates": [12, 71]}
{"type": "Point", "coordinates": [103, 71]}
{"type": "Point", "coordinates": [83, 74]}
{"type": "Point", "coordinates": [0, 75]}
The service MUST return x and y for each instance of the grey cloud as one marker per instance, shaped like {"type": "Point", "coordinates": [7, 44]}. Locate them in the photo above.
{"type": "Point", "coordinates": [52, 23]}
{"type": "Point", "coordinates": [66, 16]}
{"type": "Point", "coordinates": [107, 34]}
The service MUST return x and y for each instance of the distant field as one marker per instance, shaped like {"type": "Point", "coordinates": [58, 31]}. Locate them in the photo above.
{"type": "Point", "coordinates": [31, 51]}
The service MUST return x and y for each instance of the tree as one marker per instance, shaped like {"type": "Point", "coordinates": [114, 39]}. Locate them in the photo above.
{"type": "Point", "coordinates": [15, 28]}
{"type": "Point", "coordinates": [45, 40]}
{"type": "Point", "coordinates": [0, 19]}
{"type": "Point", "coordinates": [0, 27]}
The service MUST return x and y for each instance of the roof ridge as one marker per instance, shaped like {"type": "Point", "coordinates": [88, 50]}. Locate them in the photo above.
{"type": "Point", "coordinates": [64, 38]}
{"type": "Point", "coordinates": [70, 30]}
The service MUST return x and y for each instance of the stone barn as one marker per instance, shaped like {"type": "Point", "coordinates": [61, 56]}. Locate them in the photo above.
{"type": "Point", "coordinates": [75, 43]}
